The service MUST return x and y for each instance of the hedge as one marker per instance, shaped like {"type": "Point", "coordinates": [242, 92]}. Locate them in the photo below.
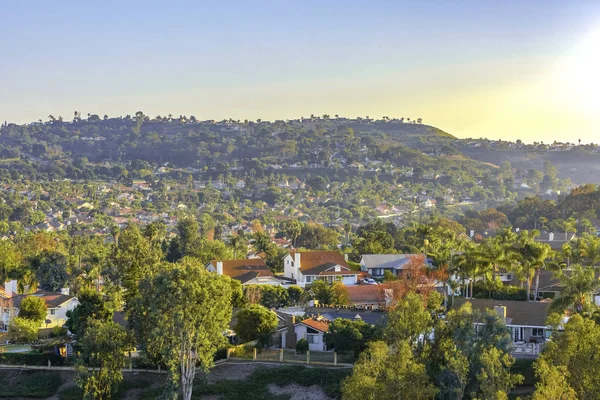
{"type": "Point", "coordinates": [31, 359]}
{"type": "Point", "coordinates": [505, 293]}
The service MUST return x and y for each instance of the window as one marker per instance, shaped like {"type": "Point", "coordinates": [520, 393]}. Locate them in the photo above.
{"type": "Point", "coordinates": [309, 279]}
{"type": "Point", "coordinates": [312, 339]}
{"type": "Point", "coordinates": [537, 332]}
{"type": "Point", "coordinates": [52, 311]}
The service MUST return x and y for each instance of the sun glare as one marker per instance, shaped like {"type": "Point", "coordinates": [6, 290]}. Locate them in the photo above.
{"type": "Point", "coordinates": [582, 70]}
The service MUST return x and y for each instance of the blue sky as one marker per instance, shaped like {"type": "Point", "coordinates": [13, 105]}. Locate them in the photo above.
{"type": "Point", "coordinates": [473, 68]}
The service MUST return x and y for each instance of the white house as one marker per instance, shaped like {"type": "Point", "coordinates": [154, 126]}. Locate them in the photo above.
{"type": "Point", "coordinates": [57, 303]}
{"type": "Point", "coordinates": [251, 271]}
{"type": "Point", "coordinates": [525, 319]}
{"type": "Point", "coordinates": [311, 329]}
{"type": "Point", "coordinates": [307, 266]}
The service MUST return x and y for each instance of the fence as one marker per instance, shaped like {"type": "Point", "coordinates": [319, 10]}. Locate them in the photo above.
{"type": "Point", "coordinates": [288, 356]}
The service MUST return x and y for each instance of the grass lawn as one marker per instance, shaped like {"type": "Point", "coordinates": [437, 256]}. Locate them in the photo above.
{"type": "Point", "coordinates": [37, 384]}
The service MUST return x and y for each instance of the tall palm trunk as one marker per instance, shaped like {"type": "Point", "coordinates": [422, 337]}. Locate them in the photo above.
{"type": "Point", "coordinates": [537, 284]}
{"type": "Point", "coordinates": [529, 288]}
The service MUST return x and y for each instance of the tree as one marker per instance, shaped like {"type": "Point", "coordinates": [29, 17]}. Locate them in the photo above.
{"type": "Point", "coordinates": [494, 378]}
{"type": "Point", "coordinates": [384, 372]}
{"type": "Point", "coordinates": [339, 294]}
{"type": "Point", "coordinates": [579, 284]}
{"type": "Point", "coordinates": [91, 307]}
{"type": "Point", "coordinates": [33, 309]}
{"type": "Point", "coordinates": [292, 229]}
{"type": "Point", "coordinates": [50, 268]}
{"type": "Point", "coordinates": [573, 351]}
{"type": "Point", "coordinates": [187, 242]}
{"type": "Point", "coordinates": [408, 320]}
{"type": "Point", "coordinates": [180, 315]}
{"type": "Point", "coordinates": [133, 259]}
{"type": "Point", "coordinates": [256, 322]}
{"type": "Point", "coordinates": [553, 382]}
{"type": "Point", "coordinates": [295, 294]}
{"type": "Point", "coordinates": [346, 335]}
{"type": "Point", "coordinates": [103, 348]}
{"type": "Point", "coordinates": [23, 330]}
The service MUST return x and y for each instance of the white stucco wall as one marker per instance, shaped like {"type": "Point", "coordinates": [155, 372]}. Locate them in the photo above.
{"type": "Point", "coordinates": [59, 318]}
{"type": "Point", "coordinates": [301, 333]}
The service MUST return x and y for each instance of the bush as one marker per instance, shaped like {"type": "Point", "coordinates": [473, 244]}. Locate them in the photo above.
{"type": "Point", "coordinates": [388, 276]}
{"type": "Point", "coordinates": [24, 330]}
{"type": "Point", "coordinates": [31, 359]}
{"type": "Point", "coordinates": [302, 346]}
{"type": "Point", "coordinates": [29, 384]}
{"type": "Point", "coordinates": [58, 331]}
{"type": "Point", "coordinates": [504, 293]}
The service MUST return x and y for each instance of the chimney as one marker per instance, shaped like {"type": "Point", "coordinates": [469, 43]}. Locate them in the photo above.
{"type": "Point", "coordinates": [220, 267]}
{"type": "Point", "coordinates": [551, 236]}
{"type": "Point", "coordinates": [10, 287]}
{"type": "Point", "coordinates": [297, 260]}
{"type": "Point", "coordinates": [291, 332]}
{"type": "Point", "coordinates": [501, 311]}
{"type": "Point", "coordinates": [471, 233]}
{"type": "Point", "coordinates": [65, 291]}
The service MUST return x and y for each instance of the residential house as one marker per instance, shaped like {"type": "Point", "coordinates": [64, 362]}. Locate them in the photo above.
{"type": "Point", "coordinates": [57, 303]}
{"type": "Point", "coordinates": [307, 266]}
{"type": "Point", "coordinates": [526, 319]}
{"type": "Point", "coordinates": [555, 239]}
{"type": "Point", "coordinates": [7, 311]}
{"type": "Point", "coordinates": [310, 329]}
{"type": "Point", "coordinates": [377, 264]}
{"type": "Point", "coordinates": [249, 271]}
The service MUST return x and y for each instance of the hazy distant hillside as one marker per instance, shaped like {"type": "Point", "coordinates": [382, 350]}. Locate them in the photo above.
{"type": "Point", "coordinates": [325, 142]}
{"type": "Point", "coordinates": [579, 164]}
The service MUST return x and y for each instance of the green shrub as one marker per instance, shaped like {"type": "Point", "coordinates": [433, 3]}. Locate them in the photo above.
{"type": "Point", "coordinates": [58, 331]}
{"type": "Point", "coordinates": [36, 384]}
{"type": "Point", "coordinates": [302, 346]}
{"type": "Point", "coordinates": [388, 276]}
{"type": "Point", "coordinates": [31, 359]}
{"type": "Point", "coordinates": [504, 293]}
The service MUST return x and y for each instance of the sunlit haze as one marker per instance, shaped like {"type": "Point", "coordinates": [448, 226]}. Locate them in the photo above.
{"type": "Point", "coordinates": [497, 69]}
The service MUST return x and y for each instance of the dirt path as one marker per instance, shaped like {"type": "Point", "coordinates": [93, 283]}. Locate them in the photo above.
{"type": "Point", "coordinates": [298, 392]}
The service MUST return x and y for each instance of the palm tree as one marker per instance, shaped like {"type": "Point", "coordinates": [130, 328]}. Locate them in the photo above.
{"type": "Point", "coordinates": [532, 256]}
{"type": "Point", "coordinates": [579, 284]}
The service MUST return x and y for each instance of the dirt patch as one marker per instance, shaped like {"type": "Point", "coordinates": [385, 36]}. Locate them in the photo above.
{"type": "Point", "coordinates": [298, 392]}
{"type": "Point", "coordinates": [234, 371]}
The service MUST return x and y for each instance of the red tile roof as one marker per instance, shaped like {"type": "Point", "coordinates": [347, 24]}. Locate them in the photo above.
{"type": "Point", "coordinates": [320, 325]}
{"type": "Point", "coordinates": [240, 268]}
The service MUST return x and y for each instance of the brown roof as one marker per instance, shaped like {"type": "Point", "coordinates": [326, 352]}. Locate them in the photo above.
{"type": "Point", "coordinates": [320, 325]}
{"type": "Point", "coordinates": [519, 313]}
{"type": "Point", "coordinates": [244, 270]}
{"type": "Point", "coordinates": [317, 262]}
{"type": "Point", "coordinates": [365, 294]}
{"type": "Point", "coordinates": [3, 294]}
{"type": "Point", "coordinates": [52, 300]}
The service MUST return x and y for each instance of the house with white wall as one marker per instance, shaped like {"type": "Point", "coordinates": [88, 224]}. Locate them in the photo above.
{"type": "Point", "coordinates": [310, 329]}
{"type": "Point", "coordinates": [252, 271]}
{"type": "Point", "coordinates": [525, 319]}
{"type": "Point", "coordinates": [305, 267]}
{"type": "Point", "coordinates": [57, 306]}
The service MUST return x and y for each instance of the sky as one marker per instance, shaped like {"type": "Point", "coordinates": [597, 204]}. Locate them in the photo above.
{"type": "Point", "coordinates": [511, 69]}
